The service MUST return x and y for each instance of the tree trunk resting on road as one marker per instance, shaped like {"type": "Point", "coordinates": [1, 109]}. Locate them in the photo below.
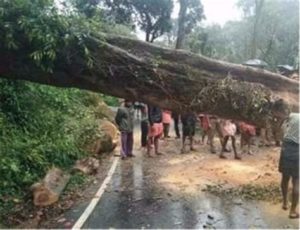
{"type": "Point", "coordinates": [172, 79]}
{"type": "Point", "coordinates": [49, 189]}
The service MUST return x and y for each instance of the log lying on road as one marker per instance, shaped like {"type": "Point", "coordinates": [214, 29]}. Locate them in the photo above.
{"type": "Point", "coordinates": [172, 79]}
{"type": "Point", "coordinates": [49, 189]}
{"type": "Point", "coordinates": [87, 165]}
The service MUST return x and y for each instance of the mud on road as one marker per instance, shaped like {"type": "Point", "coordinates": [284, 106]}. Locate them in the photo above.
{"type": "Point", "coordinates": [170, 191]}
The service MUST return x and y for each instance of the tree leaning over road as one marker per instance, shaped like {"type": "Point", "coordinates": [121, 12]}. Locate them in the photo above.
{"type": "Point", "coordinates": [190, 13]}
{"type": "Point", "coordinates": [49, 50]}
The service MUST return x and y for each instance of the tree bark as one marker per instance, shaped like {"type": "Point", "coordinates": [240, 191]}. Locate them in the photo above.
{"type": "Point", "coordinates": [181, 23]}
{"type": "Point", "coordinates": [172, 79]}
{"type": "Point", "coordinates": [258, 9]}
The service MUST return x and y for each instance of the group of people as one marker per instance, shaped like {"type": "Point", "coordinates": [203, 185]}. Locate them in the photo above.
{"type": "Point", "coordinates": [155, 124]}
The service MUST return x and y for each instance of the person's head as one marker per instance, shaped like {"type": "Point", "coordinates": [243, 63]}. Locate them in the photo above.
{"type": "Point", "coordinates": [280, 109]}
{"type": "Point", "coordinates": [127, 103]}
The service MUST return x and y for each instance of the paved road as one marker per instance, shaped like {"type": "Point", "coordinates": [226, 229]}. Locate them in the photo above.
{"type": "Point", "coordinates": [135, 199]}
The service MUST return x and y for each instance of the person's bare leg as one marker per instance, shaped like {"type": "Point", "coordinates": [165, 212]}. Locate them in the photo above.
{"type": "Point", "coordinates": [203, 138]}
{"type": "Point", "coordinates": [236, 156]}
{"type": "Point", "coordinates": [224, 143]}
{"type": "Point", "coordinates": [242, 142]}
{"type": "Point", "coordinates": [294, 213]}
{"type": "Point", "coordinates": [156, 145]}
{"type": "Point", "coordinates": [284, 190]}
{"type": "Point", "coordinates": [192, 143]}
{"type": "Point", "coordinates": [149, 143]}
{"type": "Point", "coordinates": [183, 143]}
{"type": "Point", "coordinates": [249, 146]}
{"type": "Point", "coordinates": [211, 136]}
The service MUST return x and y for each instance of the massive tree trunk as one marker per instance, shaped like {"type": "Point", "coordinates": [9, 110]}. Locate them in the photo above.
{"type": "Point", "coordinates": [172, 79]}
{"type": "Point", "coordinates": [181, 26]}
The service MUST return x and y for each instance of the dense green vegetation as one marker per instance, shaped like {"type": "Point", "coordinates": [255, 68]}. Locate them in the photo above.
{"type": "Point", "coordinates": [41, 127]}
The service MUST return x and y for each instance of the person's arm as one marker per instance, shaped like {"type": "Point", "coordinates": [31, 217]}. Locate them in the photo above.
{"type": "Point", "coordinates": [149, 115]}
{"type": "Point", "coordinates": [119, 117]}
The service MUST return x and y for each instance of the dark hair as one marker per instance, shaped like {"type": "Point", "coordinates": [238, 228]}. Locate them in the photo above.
{"type": "Point", "coordinates": [280, 106]}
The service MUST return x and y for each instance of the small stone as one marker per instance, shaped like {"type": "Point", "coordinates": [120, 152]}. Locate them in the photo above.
{"type": "Point", "coordinates": [39, 213]}
{"type": "Point", "coordinates": [68, 224]}
{"type": "Point", "coordinates": [210, 217]}
{"type": "Point", "coordinates": [61, 220]}
{"type": "Point", "coordinates": [268, 174]}
{"type": "Point", "coordinates": [15, 200]}
{"type": "Point", "coordinates": [238, 202]}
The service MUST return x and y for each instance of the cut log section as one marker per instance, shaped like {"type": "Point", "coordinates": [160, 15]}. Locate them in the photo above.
{"type": "Point", "coordinates": [88, 165]}
{"type": "Point", "coordinates": [50, 188]}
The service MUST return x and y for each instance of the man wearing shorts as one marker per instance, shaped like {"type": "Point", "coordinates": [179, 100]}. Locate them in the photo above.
{"type": "Point", "coordinates": [155, 129]}
{"type": "Point", "coordinates": [289, 156]}
{"type": "Point", "coordinates": [188, 121]}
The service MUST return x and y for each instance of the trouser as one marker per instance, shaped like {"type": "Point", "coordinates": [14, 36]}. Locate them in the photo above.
{"type": "Point", "coordinates": [166, 129]}
{"type": "Point", "coordinates": [126, 143]}
{"type": "Point", "coordinates": [144, 133]}
{"type": "Point", "coordinates": [176, 122]}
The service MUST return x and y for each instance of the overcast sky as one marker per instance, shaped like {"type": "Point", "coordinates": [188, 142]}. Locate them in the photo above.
{"type": "Point", "coordinates": [216, 11]}
{"type": "Point", "coordinates": [220, 11]}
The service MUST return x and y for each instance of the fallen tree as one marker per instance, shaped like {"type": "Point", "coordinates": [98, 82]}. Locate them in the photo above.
{"type": "Point", "coordinates": [172, 79]}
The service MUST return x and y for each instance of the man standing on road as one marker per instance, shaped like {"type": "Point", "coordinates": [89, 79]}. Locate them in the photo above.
{"type": "Point", "coordinates": [175, 117]}
{"type": "Point", "coordinates": [155, 129]}
{"type": "Point", "coordinates": [124, 120]}
{"type": "Point", "coordinates": [289, 156]}
{"type": "Point", "coordinates": [188, 121]}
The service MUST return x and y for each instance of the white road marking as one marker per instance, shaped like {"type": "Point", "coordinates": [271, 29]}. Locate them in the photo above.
{"type": "Point", "coordinates": [89, 209]}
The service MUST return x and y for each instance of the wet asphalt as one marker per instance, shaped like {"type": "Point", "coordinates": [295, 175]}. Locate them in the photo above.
{"type": "Point", "coordinates": [134, 199]}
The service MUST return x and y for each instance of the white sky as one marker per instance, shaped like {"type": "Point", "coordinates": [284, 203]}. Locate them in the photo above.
{"type": "Point", "coordinates": [220, 11]}
{"type": "Point", "coordinates": [216, 12]}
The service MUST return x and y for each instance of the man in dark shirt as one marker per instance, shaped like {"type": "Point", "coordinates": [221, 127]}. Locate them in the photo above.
{"type": "Point", "coordinates": [155, 128]}
{"type": "Point", "coordinates": [124, 120]}
{"type": "Point", "coordinates": [175, 117]}
{"type": "Point", "coordinates": [188, 121]}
